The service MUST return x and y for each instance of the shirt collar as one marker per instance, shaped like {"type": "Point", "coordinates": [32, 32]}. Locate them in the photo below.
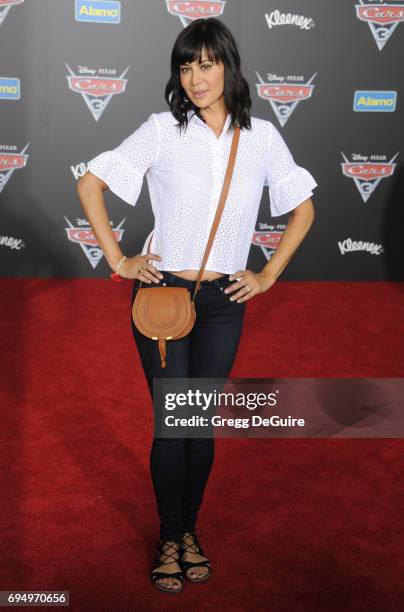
{"type": "Point", "coordinates": [193, 117]}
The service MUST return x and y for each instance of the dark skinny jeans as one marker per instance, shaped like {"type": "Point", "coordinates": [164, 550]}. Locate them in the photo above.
{"type": "Point", "coordinates": [180, 467]}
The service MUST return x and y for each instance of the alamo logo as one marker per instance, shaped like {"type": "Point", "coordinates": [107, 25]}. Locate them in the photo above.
{"type": "Point", "coordinates": [349, 246]}
{"type": "Point", "coordinates": [375, 101]}
{"type": "Point", "coordinates": [101, 11]}
{"type": "Point", "coordinates": [10, 88]}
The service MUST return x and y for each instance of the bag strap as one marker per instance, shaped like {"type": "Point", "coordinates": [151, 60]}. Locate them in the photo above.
{"type": "Point", "coordinates": [220, 207]}
{"type": "Point", "coordinates": [222, 200]}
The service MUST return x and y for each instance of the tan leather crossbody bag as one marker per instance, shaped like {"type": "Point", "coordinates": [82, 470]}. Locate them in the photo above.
{"type": "Point", "coordinates": [168, 313]}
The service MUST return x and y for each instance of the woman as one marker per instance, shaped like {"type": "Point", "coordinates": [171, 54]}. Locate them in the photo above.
{"type": "Point", "coordinates": [184, 154]}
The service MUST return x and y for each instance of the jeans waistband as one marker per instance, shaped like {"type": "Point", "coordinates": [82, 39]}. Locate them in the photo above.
{"type": "Point", "coordinates": [172, 279]}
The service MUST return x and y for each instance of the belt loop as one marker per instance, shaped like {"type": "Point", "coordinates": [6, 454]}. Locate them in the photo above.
{"type": "Point", "coordinates": [166, 278]}
{"type": "Point", "coordinates": [221, 282]}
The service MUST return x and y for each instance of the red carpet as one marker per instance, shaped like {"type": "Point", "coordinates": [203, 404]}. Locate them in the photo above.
{"type": "Point", "coordinates": [300, 525]}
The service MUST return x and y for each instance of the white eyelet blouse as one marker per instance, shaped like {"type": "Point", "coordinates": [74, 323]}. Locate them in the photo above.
{"type": "Point", "coordinates": [185, 174]}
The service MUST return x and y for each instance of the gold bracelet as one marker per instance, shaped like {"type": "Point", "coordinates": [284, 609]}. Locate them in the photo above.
{"type": "Point", "coordinates": [120, 262]}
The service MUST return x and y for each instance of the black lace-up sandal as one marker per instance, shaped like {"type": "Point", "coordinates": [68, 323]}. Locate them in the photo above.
{"type": "Point", "coordinates": [193, 547]}
{"type": "Point", "coordinates": [163, 549]}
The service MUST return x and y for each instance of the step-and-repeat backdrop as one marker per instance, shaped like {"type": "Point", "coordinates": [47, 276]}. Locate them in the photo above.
{"type": "Point", "coordinates": [78, 76]}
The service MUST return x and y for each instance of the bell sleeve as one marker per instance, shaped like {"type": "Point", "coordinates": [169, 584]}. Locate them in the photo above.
{"type": "Point", "coordinates": [289, 184]}
{"type": "Point", "coordinates": [124, 167]}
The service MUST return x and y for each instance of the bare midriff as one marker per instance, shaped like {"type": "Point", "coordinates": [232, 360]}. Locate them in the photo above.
{"type": "Point", "coordinates": [192, 275]}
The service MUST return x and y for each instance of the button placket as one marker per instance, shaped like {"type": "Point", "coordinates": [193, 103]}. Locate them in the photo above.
{"type": "Point", "coordinates": [217, 181]}
{"type": "Point", "coordinates": [217, 149]}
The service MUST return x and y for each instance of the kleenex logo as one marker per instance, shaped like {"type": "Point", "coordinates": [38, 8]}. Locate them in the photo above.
{"type": "Point", "coordinates": [375, 101]}
{"type": "Point", "coordinates": [100, 11]}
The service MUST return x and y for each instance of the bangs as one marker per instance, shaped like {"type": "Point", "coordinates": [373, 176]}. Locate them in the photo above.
{"type": "Point", "coordinates": [192, 48]}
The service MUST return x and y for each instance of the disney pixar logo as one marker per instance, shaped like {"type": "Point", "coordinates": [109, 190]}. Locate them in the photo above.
{"type": "Point", "coordinates": [9, 162]}
{"type": "Point", "coordinates": [267, 237]}
{"type": "Point", "coordinates": [82, 234]}
{"type": "Point", "coordinates": [367, 171]}
{"type": "Point", "coordinates": [96, 87]}
{"type": "Point", "coordinates": [284, 93]}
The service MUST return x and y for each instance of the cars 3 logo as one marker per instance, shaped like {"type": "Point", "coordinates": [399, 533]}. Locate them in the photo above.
{"type": "Point", "coordinates": [82, 234]}
{"type": "Point", "coordinates": [267, 237]}
{"type": "Point", "coordinates": [5, 6]}
{"type": "Point", "coordinates": [284, 93]}
{"type": "Point", "coordinates": [366, 173]}
{"type": "Point", "coordinates": [96, 89]}
{"type": "Point", "coordinates": [382, 17]}
{"type": "Point", "coordinates": [10, 162]}
{"type": "Point", "coordinates": [195, 9]}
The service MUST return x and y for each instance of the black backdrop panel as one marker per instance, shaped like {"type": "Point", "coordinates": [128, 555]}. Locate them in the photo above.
{"type": "Point", "coordinates": [306, 64]}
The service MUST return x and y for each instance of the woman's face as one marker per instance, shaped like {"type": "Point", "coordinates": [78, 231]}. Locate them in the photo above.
{"type": "Point", "coordinates": [206, 77]}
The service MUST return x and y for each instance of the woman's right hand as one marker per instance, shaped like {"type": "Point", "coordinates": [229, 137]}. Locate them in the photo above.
{"type": "Point", "coordinates": [138, 267]}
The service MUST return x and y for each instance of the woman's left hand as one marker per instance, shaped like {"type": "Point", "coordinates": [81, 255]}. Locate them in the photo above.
{"type": "Point", "coordinates": [249, 285]}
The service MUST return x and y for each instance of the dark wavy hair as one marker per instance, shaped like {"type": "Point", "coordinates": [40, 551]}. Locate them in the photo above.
{"type": "Point", "coordinates": [219, 44]}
